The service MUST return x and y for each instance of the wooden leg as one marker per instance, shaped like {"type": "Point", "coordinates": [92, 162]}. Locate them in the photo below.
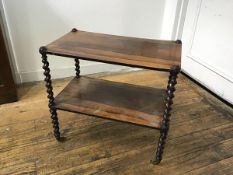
{"type": "Point", "coordinates": [167, 113]}
{"type": "Point", "coordinates": [77, 67]}
{"type": "Point", "coordinates": [49, 87]}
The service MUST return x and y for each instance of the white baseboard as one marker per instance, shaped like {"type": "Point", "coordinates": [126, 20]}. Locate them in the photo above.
{"type": "Point", "coordinates": [210, 78]}
{"type": "Point", "coordinates": [69, 71]}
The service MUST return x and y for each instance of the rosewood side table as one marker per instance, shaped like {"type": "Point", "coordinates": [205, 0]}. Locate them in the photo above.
{"type": "Point", "coordinates": [140, 105]}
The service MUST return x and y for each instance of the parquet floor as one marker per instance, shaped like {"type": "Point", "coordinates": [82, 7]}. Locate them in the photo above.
{"type": "Point", "coordinates": [200, 139]}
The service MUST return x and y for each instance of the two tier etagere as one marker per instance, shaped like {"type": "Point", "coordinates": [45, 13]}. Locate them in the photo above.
{"type": "Point", "coordinates": [139, 105]}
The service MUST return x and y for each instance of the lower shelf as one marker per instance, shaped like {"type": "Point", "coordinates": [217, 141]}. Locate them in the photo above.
{"type": "Point", "coordinates": [112, 100]}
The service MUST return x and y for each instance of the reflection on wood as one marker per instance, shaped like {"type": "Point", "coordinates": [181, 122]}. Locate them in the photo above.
{"type": "Point", "coordinates": [111, 100]}
{"type": "Point", "coordinates": [147, 53]}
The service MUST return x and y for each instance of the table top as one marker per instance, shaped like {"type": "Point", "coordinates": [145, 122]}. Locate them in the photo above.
{"type": "Point", "coordinates": [129, 51]}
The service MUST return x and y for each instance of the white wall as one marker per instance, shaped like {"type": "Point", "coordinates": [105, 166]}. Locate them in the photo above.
{"type": "Point", "coordinates": [33, 23]}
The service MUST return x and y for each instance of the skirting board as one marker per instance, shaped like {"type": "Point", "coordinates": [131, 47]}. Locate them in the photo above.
{"type": "Point", "coordinates": [70, 71]}
{"type": "Point", "coordinates": [209, 78]}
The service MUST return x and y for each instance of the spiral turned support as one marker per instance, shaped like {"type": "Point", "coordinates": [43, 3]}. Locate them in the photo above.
{"type": "Point", "coordinates": [167, 113]}
{"type": "Point", "coordinates": [77, 67]}
{"type": "Point", "coordinates": [51, 105]}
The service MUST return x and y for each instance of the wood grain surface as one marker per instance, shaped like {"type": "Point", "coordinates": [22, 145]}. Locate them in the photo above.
{"type": "Point", "coordinates": [136, 52]}
{"type": "Point", "coordinates": [111, 100]}
{"type": "Point", "coordinates": [200, 141]}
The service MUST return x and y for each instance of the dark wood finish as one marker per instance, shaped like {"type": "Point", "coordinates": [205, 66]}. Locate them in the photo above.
{"type": "Point", "coordinates": [116, 101]}
{"type": "Point", "coordinates": [112, 100]}
{"type": "Point", "coordinates": [77, 67]}
{"type": "Point", "coordinates": [145, 53]}
{"type": "Point", "coordinates": [167, 113]}
{"type": "Point", "coordinates": [52, 108]}
{"type": "Point", "coordinates": [7, 86]}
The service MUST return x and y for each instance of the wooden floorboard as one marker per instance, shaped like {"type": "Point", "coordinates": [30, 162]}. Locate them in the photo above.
{"type": "Point", "coordinates": [200, 139]}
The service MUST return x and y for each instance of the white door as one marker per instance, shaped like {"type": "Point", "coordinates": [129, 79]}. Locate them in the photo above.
{"type": "Point", "coordinates": [208, 45]}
